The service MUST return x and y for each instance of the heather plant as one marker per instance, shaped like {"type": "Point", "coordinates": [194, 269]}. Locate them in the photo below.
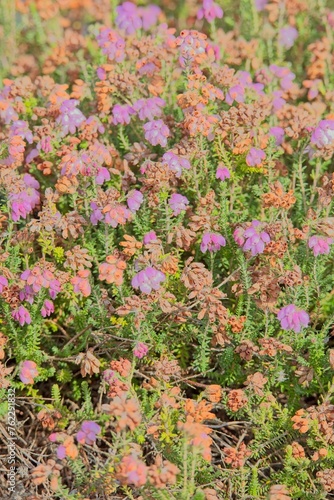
{"type": "Point", "coordinates": [166, 258]}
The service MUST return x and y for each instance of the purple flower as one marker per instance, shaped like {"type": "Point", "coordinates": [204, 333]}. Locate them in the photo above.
{"type": "Point", "coordinates": [102, 175]}
{"type": "Point", "coordinates": [150, 108]}
{"type": "Point", "coordinates": [212, 242]}
{"type": "Point", "coordinates": [278, 101]}
{"type": "Point", "coordinates": [260, 4]}
{"type": "Point", "coordinates": [108, 376]}
{"type": "Point", "coordinates": [287, 36]}
{"type": "Point", "coordinates": [27, 294]}
{"type": "Point", "coordinates": [238, 236]}
{"type": "Point", "coordinates": [61, 452]}
{"type": "Point", "coordinates": [28, 372]}
{"type": "Point", "coordinates": [97, 213]}
{"type": "Point", "coordinates": [255, 157]}
{"type": "Point", "coordinates": [101, 73]}
{"type": "Point", "coordinates": [140, 350]}
{"type": "Point", "coordinates": [319, 245]}
{"type": "Point", "coordinates": [236, 93]}
{"type": "Point", "coordinates": [178, 203]}
{"type": "Point", "coordinates": [21, 128]}
{"type": "Point", "coordinates": [148, 279]}
{"type": "Point", "coordinates": [176, 163]}
{"type": "Point", "coordinates": [254, 238]}
{"type": "Point", "coordinates": [117, 214]}
{"type": "Point", "coordinates": [122, 114]}
{"type": "Point", "coordinates": [22, 316]}
{"type": "Point", "coordinates": [47, 309]}
{"type": "Point", "coordinates": [223, 173]}
{"type": "Point", "coordinates": [112, 45]}
{"type": "Point", "coordinates": [156, 132]}
{"type": "Point", "coordinates": [134, 200]}
{"type": "Point", "coordinates": [210, 11]}
{"type": "Point", "coordinates": [3, 283]}
{"type": "Point", "coordinates": [193, 46]}
{"type": "Point", "coordinates": [45, 144]}
{"type": "Point", "coordinates": [278, 133]}
{"type": "Point", "coordinates": [292, 318]}
{"type": "Point", "coordinates": [149, 15]}
{"type": "Point", "coordinates": [323, 134]}
{"type": "Point", "coordinates": [54, 288]}
{"type": "Point", "coordinates": [70, 117]}
{"type": "Point", "coordinates": [88, 431]}
{"type": "Point", "coordinates": [128, 17]}
{"type": "Point", "coordinates": [23, 202]}
{"type": "Point", "coordinates": [149, 237]}
{"type": "Point", "coordinates": [284, 74]}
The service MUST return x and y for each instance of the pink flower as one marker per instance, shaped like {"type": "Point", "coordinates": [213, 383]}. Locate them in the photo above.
{"type": "Point", "coordinates": [150, 108]}
{"type": "Point", "coordinates": [22, 316]}
{"type": "Point", "coordinates": [28, 372]}
{"type": "Point", "coordinates": [287, 36]}
{"type": "Point", "coordinates": [236, 93]}
{"type": "Point", "coordinates": [260, 4]}
{"type": "Point", "coordinates": [254, 238]}
{"type": "Point", "coordinates": [132, 471]}
{"type": "Point", "coordinates": [278, 134]}
{"type": "Point", "coordinates": [212, 242]}
{"type": "Point", "coordinates": [81, 282]}
{"type": "Point", "coordinates": [128, 17]}
{"type": "Point", "coordinates": [45, 144]}
{"type": "Point", "coordinates": [116, 214]}
{"type": "Point", "coordinates": [178, 203]}
{"type": "Point", "coordinates": [27, 294]}
{"type": "Point", "coordinates": [3, 283]}
{"type": "Point", "coordinates": [223, 173]}
{"type": "Point", "coordinates": [292, 318]}
{"type": "Point", "coordinates": [156, 132]}
{"type": "Point", "coordinates": [122, 114]}
{"type": "Point", "coordinates": [97, 213]}
{"type": "Point", "coordinates": [134, 200]}
{"type": "Point", "coordinates": [47, 309]}
{"type": "Point", "coordinates": [319, 245]}
{"type": "Point", "coordinates": [210, 11]}
{"type": "Point", "coordinates": [149, 237]}
{"type": "Point", "coordinates": [38, 278]}
{"type": "Point", "coordinates": [70, 116]}
{"type": "Point", "coordinates": [192, 45]}
{"type": "Point", "coordinates": [88, 431]}
{"type": "Point", "coordinates": [255, 157]}
{"type": "Point", "coordinates": [54, 288]}
{"type": "Point", "coordinates": [108, 376]}
{"type": "Point", "coordinates": [24, 201]}
{"type": "Point", "coordinates": [176, 163]}
{"type": "Point", "coordinates": [148, 279]}
{"type": "Point", "coordinates": [323, 134]}
{"type": "Point", "coordinates": [284, 74]}
{"type": "Point", "coordinates": [149, 15]}
{"type": "Point", "coordinates": [112, 45]}
{"type": "Point", "coordinates": [278, 101]}
{"type": "Point", "coordinates": [102, 176]}
{"type": "Point", "coordinates": [21, 128]}
{"type": "Point", "coordinates": [140, 350]}
{"type": "Point", "coordinates": [238, 236]}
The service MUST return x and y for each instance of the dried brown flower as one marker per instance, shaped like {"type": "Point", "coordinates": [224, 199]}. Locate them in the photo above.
{"type": "Point", "coordinates": [89, 363]}
{"type": "Point", "coordinates": [246, 350]}
{"type": "Point", "coordinates": [279, 492]}
{"type": "Point", "coordinates": [236, 457]}
{"type": "Point", "coordinates": [126, 412]}
{"type": "Point", "coordinates": [237, 400]}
